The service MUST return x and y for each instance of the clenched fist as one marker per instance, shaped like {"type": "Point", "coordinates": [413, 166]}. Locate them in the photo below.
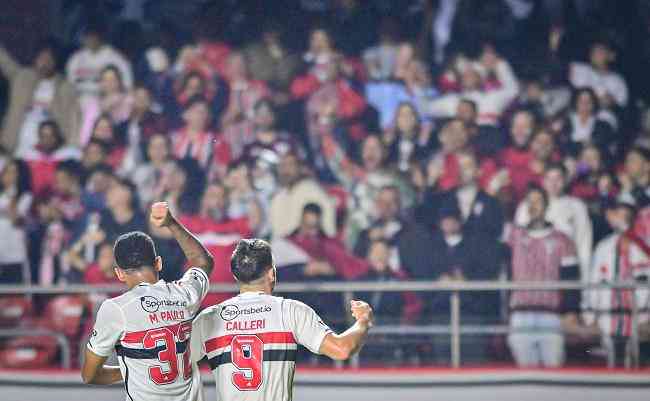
{"type": "Point", "coordinates": [362, 312]}
{"type": "Point", "coordinates": [160, 215]}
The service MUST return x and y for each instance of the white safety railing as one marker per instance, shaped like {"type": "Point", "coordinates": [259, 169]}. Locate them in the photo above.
{"type": "Point", "coordinates": [455, 328]}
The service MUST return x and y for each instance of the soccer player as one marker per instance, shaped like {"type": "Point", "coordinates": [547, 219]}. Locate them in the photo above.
{"type": "Point", "coordinates": [250, 341]}
{"type": "Point", "coordinates": [149, 326]}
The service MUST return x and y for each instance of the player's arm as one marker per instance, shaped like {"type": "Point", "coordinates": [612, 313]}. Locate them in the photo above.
{"type": "Point", "coordinates": [196, 254]}
{"type": "Point", "coordinates": [94, 371]}
{"type": "Point", "coordinates": [343, 346]}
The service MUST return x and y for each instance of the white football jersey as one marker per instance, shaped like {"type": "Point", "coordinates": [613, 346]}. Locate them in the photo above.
{"type": "Point", "coordinates": [149, 328]}
{"type": "Point", "coordinates": [250, 342]}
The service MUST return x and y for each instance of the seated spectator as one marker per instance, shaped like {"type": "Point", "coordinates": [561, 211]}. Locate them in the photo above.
{"type": "Point", "coordinates": [621, 257]}
{"type": "Point", "coordinates": [566, 213]}
{"type": "Point", "coordinates": [104, 132]}
{"type": "Point", "coordinates": [37, 93]}
{"type": "Point", "coordinates": [122, 212]}
{"type": "Point", "coordinates": [583, 125]}
{"type": "Point", "coordinates": [296, 190]}
{"type": "Point", "coordinates": [541, 253]}
{"type": "Point", "coordinates": [363, 181]}
{"type": "Point", "coordinates": [609, 86]}
{"type": "Point", "coordinates": [414, 87]}
{"type": "Point", "coordinates": [48, 152]}
{"type": "Point", "coordinates": [270, 60]}
{"type": "Point", "coordinates": [408, 140]}
{"type": "Point", "coordinates": [491, 102]}
{"type": "Point", "coordinates": [15, 204]}
{"type": "Point", "coordinates": [113, 100]}
{"type": "Point", "coordinates": [85, 65]}
{"type": "Point", "coordinates": [244, 93]}
{"type": "Point", "coordinates": [635, 178]}
{"type": "Point", "coordinates": [143, 122]}
{"type": "Point", "coordinates": [147, 176]}
{"type": "Point", "coordinates": [479, 211]}
{"type": "Point", "coordinates": [387, 224]}
{"type": "Point", "coordinates": [195, 140]}
{"type": "Point", "coordinates": [485, 140]}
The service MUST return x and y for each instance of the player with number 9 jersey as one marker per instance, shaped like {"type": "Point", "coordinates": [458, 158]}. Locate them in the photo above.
{"type": "Point", "coordinates": [250, 341]}
{"type": "Point", "coordinates": [150, 326]}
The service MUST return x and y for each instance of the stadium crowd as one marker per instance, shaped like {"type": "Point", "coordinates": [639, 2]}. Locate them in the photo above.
{"type": "Point", "coordinates": [440, 140]}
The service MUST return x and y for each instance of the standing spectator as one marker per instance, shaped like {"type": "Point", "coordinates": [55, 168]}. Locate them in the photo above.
{"type": "Point", "coordinates": [620, 257]}
{"type": "Point", "coordinates": [380, 59]}
{"type": "Point", "coordinates": [245, 92]}
{"type": "Point", "coordinates": [48, 152]}
{"type": "Point", "coordinates": [15, 204]}
{"type": "Point", "coordinates": [86, 64]}
{"type": "Point", "coordinates": [243, 199]}
{"type": "Point", "coordinates": [104, 132]}
{"type": "Point", "coordinates": [607, 84]}
{"type": "Point", "coordinates": [485, 140]}
{"type": "Point", "coordinates": [196, 141]}
{"type": "Point", "coordinates": [635, 178]}
{"type": "Point", "coordinates": [566, 213]}
{"type": "Point", "coordinates": [37, 93]}
{"type": "Point", "coordinates": [122, 213]}
{"type": "Point", "coordinates": [541, 253]}
{"type": "Point", "coordinates": [295, 192]}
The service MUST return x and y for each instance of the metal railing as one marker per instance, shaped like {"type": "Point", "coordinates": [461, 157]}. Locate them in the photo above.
{"type": "Point", "coordinates": [347, 289]}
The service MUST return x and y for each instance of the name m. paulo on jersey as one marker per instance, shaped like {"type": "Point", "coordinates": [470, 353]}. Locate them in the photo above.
{"type": "Point", "coordinates": [152, 305]}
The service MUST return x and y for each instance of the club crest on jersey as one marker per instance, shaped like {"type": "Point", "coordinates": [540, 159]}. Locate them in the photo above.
{"type": "Point", "coordinates": [152, 304]}
{"type": "Point", "coordinates": [230, 312]}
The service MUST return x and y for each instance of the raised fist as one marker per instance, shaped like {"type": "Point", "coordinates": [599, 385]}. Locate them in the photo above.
{"type": "Point", "coordinates": [160, 215]}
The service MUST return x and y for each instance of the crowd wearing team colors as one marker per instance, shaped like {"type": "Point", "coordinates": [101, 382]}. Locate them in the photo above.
{"type": "Point", "coordinates": [435, 140]}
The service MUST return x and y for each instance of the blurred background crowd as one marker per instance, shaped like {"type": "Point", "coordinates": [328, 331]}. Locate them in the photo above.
{"type": "Point", "coordinates": [437, 140]}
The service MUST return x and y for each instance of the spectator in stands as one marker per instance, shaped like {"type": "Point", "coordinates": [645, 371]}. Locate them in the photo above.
{"type": "Point", "coordinates": [609, 86]}
{"type": "Point", "coordinates": [86, 64]}
{"type": "Point", "coordinates": [541, 253]}
{"type": "Point", "coordinates": [38, 92]}
{"type": "Point", "coordinates": [363, 181]}
{"type": "Point", "coordinates": [94, 155]}
{"type": "Point", "coordinates": [102, 271]}
{"type": "Point", "coordinates": [142, 123]}
{"type": "Point", "coordinates": [147, 176]}
{"type": "Point", "coordinates": [583, 125]}
{"type": "Point", "coordinates": [485, 140]}
{"type": "Point", "coordinates": [491, 102]}
{"type": "Point", "coordinates": [387, 225]}
{"type": "Point", "coordinates": [195, 84]}
{"type": "Point", "coordinates": [46, 154]}
{"type": "Point", "coordinates": [180, 184]}
{"type": "Point", "coordinates": [408, 140]}
{"type": "Point", "coordinates": [295, 192]}
{"type": "Point", "coordinates": [635, 178]}
{"type": "Point", "coordinates": [380, 59]}
{"type": "Point", "coordinates": [88, 267]}
{"type": "Point", "coordinates": [269, 60]}
{"type": "Point", "coordinates": [15, 204]}
{"type": "Point", "coordinates": [123, 213]}
{"type": "Point", "coordinates": [104, 131]}
{"type": "Point", "coordinates": [245, 91]}
{"type": "Point", "coordinates": [195, 140]}
{"type": "Point", "coordinates": [621, 257]}
{"type": "Point", "coordinates": [243, 199]}
{"type": "Point", "coordinates": [480, 213]}
{"type": "Point", "coordinates": [566, 213]}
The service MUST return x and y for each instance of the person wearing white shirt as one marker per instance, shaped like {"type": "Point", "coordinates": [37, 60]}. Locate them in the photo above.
{"type": "Point", "coordinates": [608, 85]}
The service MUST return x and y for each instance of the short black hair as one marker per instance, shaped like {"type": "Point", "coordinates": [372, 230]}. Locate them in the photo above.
{"type": "Point", "coordinates": [533, 187]}
{"type": "Point", "coordinates": [134, 250]}
{"type": "Point", "coordinates": [312, 208]}
{"type": "Point", "coordinates": [251, 259]}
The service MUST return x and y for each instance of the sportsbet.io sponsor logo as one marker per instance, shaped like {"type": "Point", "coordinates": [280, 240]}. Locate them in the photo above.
{"type": "Point", "coordinates": [230, 312]}
{"type": "Point", "coordinates": [152, 304]}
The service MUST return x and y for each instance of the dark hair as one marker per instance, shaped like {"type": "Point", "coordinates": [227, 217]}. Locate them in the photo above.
{"type": "Point", "coordinates": [55, 129]}
{"type": "Point", "coordinates": [250, 260]}
{"type": "Point", "coordinates": [190, 75]}
{"type": "Point", "coordinates": [592, 94]}
{"type": "Point", "coordinates": [643, 152]}
{"type": "Point", "coordinates": [103, 116]}
{"type": "Point", "coordinates": [24, 179]}
{"type": "Point", "coordinates": [414, 110]}
{"type": "Point", "coordinates": [470, 102]}
{"type": "Point", "coordinates": [118, 74]}
{"type": "Point", "coordinates": [134, 250]}
{"type": "Point", "coordinates": [312, 208]}
{"type": "Point", "coordinates": [106, 148]}
{"type": "Point", "coordinates": [195, 100]}
{"type": "Point", "coordinates": [133, 190]}
{"type": "Point", "coordinates": [532, 187]}
{"type": "Point", "coordinates": [559, 167]}
{"type": "Point", "coordinates": [49, 44]}
{"type": "Point", "coordinates": [189, 200]}
{"type": "Point", "coordinates": [70, 167]}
